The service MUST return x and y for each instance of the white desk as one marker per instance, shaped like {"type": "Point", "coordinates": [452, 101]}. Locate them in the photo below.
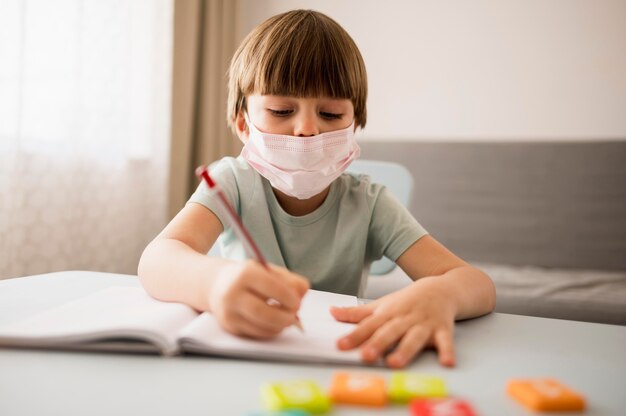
{"type": "Point", "coordinates": [490, 350]}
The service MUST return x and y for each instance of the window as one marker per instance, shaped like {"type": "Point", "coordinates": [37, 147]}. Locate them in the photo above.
{"type": "Point", "coordinates": [84, 128]}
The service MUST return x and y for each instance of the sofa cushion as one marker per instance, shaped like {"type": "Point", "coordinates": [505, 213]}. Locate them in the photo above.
{"type": "Point", "coordinates": [582, 295]}
{"type": "Point", "coordinates": [547, 204]}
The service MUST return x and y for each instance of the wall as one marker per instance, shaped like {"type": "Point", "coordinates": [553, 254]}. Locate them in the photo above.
{"type": "Point", "coordinates": [483, 70]}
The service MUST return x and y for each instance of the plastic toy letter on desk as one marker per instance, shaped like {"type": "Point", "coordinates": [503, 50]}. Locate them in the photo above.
{"type": "Point", "coordinates": [359, 389]}
{"type": "Point", "coordinates": [295, 395]}
{"type": "Point", "coordinates": [406, 386]}
{"type": "Point", "coordinates": [545, 395]}
{"type": "Point", "coordinates": [441, 407]}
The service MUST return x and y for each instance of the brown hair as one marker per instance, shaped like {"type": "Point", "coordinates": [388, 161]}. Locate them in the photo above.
{"type": "Point", "coordinates": [300, 53]}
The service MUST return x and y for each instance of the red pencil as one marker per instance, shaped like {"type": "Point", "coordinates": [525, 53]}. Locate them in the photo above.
{"type": "Point", "coordinates": [235, 222]}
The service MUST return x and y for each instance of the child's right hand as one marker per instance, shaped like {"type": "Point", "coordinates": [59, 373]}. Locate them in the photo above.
{"type": "Point", "coordinates": [239, 296]}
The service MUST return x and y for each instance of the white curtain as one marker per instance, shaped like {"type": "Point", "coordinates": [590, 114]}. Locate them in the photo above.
{"type": "Point", "coordinates": [84, 131]}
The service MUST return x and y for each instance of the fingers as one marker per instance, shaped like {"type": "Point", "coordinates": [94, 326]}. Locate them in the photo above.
{"type": "Point", "coordinates": [261, 302]}
{"type": "Point", "coordinates": [266, 317]}
{"type": "Point", "coordinates": [445, 345]}
{"type": "Point", "coordinates": [353, 314]}
{"type": "Point", "coordinates": [241, 327]}
{"type": "Point", "coordinates": [383, 338]}
{"type": "Point", "coordinates": [412, 342]}
{"type": "Point", "coordinates": [377, 335]}
{"type": "Point", "coordinates": [280, 287]}
{"type": "Point", "coordinates": [362, 332]}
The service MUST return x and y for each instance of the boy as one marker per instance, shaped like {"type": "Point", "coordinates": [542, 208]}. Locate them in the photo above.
{"type": "Point", "coordinates": [297, 92]}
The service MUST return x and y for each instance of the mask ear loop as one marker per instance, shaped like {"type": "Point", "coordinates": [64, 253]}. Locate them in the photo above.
{"type": "Point", "coordinates": [248, 122]}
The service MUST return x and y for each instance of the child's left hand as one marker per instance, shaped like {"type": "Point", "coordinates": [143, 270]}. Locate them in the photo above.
{"type": "Point", "coordinates": [410, 319]}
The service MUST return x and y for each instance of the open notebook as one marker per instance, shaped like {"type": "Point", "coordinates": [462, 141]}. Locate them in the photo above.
{"type": "Point", "coordinates": [123, 318]}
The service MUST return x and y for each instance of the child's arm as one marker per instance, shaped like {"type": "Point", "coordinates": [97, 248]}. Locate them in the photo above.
{"type": "Point", "coordinates": [175, 267]}
{"type": "Point", "coordinates": [422, 314]}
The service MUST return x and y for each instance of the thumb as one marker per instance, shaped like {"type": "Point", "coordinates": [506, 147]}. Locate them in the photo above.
{"type": "Point", "coordinates": [352, 314]}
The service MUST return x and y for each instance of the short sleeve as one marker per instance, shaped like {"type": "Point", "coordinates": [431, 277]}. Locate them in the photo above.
{"type": "Point", "coordinates": [223, 174]}
{"type": "Point", "coordinates": [392, 228]}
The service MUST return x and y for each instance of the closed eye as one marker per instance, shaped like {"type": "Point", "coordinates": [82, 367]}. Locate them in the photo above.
{"type": "Point", "coordinates": [280, 113]}
{"type": "Point", "coordinates": [331, 116]}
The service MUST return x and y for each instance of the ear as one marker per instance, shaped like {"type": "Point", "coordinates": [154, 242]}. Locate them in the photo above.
{"type": "Point", "coordinates": [243, 132]}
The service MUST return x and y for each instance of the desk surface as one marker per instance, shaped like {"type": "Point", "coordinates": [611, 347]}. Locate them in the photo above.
{"type": "Point", "coordinates": [490, 350]}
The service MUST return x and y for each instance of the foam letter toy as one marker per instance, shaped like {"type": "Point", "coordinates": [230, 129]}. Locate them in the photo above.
{"type": "Point", "coordinates": [545, 395]}
{"type": "Point", "coordinates": [406, 386]}
{"type": "Point", "coordinates": [441, 407]}
{"type": "Point", "coordinates": [360, 389]}
{"type": "Point", "coordinates": [303, 395]}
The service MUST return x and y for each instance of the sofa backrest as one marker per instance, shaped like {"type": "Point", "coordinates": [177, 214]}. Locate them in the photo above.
{"type": "Point", "coordinates": [549, 204]}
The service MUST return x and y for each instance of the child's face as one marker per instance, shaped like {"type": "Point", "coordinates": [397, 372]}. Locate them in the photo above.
{"type": "Point", "coordinates": [295, 116]}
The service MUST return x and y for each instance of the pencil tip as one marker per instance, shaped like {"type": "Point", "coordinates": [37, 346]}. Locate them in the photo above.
{"type": "Point", "coordinates": [298, 324]}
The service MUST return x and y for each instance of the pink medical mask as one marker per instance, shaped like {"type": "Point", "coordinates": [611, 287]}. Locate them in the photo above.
{"type": "Point", "coordinates": [301, 167]}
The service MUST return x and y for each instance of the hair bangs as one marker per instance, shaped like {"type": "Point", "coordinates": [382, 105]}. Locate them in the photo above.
{"type": "Point", "coordinates": [303, 60]}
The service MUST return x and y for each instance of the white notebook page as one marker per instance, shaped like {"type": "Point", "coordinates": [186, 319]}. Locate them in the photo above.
{"type": "Point", "coordinates": [115, 312]}
{"type": "Point", "coordinates": [317, 343]}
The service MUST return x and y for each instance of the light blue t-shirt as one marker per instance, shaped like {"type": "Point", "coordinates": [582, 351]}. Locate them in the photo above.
{"type": "Point", "coordinates": [334, 245]}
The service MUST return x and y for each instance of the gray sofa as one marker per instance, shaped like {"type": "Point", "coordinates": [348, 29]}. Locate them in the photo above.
{"type": "Point", "coordinates": [546, 220]}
